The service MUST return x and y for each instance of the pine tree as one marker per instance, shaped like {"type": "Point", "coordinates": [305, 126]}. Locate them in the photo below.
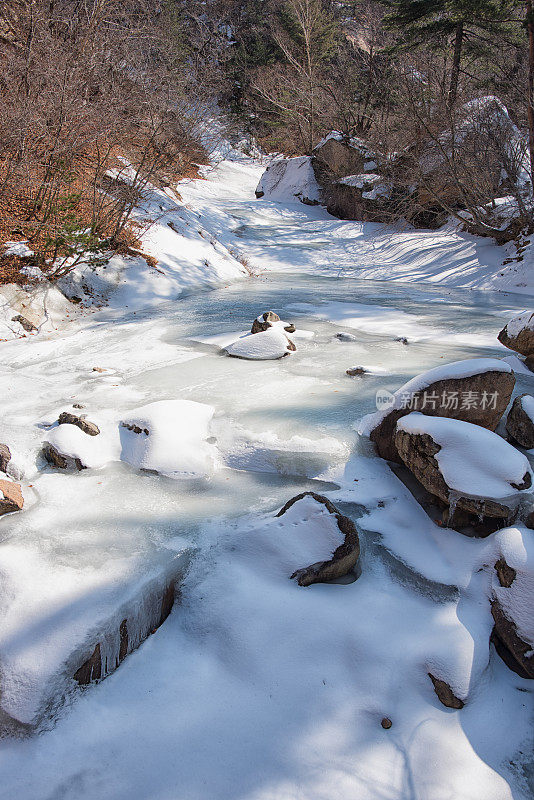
{"type": "Point", "coordinates": [464, 23]}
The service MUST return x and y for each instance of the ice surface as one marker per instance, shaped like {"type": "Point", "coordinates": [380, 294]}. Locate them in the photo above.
{"type": "Point", "coordinates": [472, 459]}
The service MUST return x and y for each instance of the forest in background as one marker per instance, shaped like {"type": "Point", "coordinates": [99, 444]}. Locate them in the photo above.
{"type": "Point", "coordinates": [101, 98]}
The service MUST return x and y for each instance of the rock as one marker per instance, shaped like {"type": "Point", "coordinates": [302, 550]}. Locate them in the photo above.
{"type": "Point", "coordinates": [467, 467]}
{"type": "Point", "coordinates": [445, 694]}
{"type": "Point", "coordinates": [11, 498]}
{"type": "Point", "coordinates": [518, 334]}
{"type": "Point", "coordinates": [54, 457]}
{"type": "Point", "coordinates": [346, 337]}
{"type": "Point", "coordinates": [66, 418]}
{"type": "Point", "coordinates": [5, 457]}
{"type": "Point", "coordinates": [263, 322]}
{"type": "Point", "coordinates": [353, 371]}
{"type": "Point", "coordinates": [290, 179]}
{"type": "Point", "coordinates": [520, 421]}
{"type": "Point", "coordinates": [529, 363]}
{"type": "Point", "coordinates": [475, 390]}
{"type": "Point", "coordinates": [345, 556]}
{"type": "Point", "coordinates": [336, 156]}
{"type": "Point", "coordinates": [402, 339]}
{"type": "Point", "coordinates": [270, 344]}
{"type": "Point", "coordinates": [94, 668]}
{"type": "Point", "coordinates": [362, 196]}
{"type": "Point", "coordinates": [25, 323]}
{"type": "Point", "coordinates": [99, 369]}
{"type": "Point", "coordinates": [386, 723]}
{"type": "Point", "coordinates": [512, 599]}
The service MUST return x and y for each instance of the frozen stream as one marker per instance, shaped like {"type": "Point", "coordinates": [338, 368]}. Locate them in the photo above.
{"type": "Point", "coordinates": [92, 541]}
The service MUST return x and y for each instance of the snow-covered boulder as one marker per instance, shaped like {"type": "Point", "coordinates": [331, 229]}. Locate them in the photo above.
{"type": "Point", "coordinates": [289, 180]}
{"type": "Point", "coordinates": [11, 498]}
{"type": "Point", "coordinates": [336, 156]}
{"type": "Point", "coordinates": [475, 390]}
{"type": "Point", "coordinates": [512, 599]}
{"type": "Point", "coordinates": [269, 319]}
{"type": "Point", "coordinates": [267, 345]}
{"type": "Point", "coordinates": [520, 421]}
{"type": "Point", "coordinates": [170, 437]}
{"type": "Point", "coordinates": [68, 447]}
{"type": "Point", "coordinates": [364, 196]}
{"type": "Point", "coordinates": [334, 535]}
{"type": "Point", "coordinates": [518, 334]}
{"type": "Point", "coordinates": [67, 418]}
{"type": "Point", "coordinates": [467, 467]}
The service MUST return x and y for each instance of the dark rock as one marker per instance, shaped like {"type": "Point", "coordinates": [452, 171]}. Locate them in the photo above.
{"type": "Point", "coordinates": [26, 324]}
{"type": "Point", "coordinates": [54, 457]}
{"type": "Point", "coordinates": [490, 382]}
{"type": "Point", "coordinates": [99, 369]}
{"type": "Point", "coordinates": [512, 649]}
{"type": "Point", "coordinates": [91, 670]}
{"type": "Point", "coordinates": [334, 158]}
{"type": "Point", "coordinates": [402, 339]}
{"type": "Point", "coordinates": [505, 573]}
{"type": "Point", "coordinates": [344, 558]}
{"type": "Point", "coordinates": [352, 371]}
{"type": "Point", "coordinates": [529, 363]}
{"type": "Point", "coordinates": [262, 325]}
{"type": "Point", "coordinates": [66, 418]}
{"type": "Point", "coordinates": [445, 694]}
{"type": "Point", "coordinates": [290, 328]}
{"type": "Point", "coordinates": [519, 425]}
{"type": "Point", "coordinates": [5, 457]}
{"type": "Point", "coordinates": [12, 499]}
{"type": "Point", "coordinates": [386, 723]}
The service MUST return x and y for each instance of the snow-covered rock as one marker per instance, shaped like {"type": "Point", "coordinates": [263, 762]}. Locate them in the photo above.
{"type": "Point", "coordinates": [289, 180]}
{"type": "Point", "coordinates": [264, 346]}
{"type": "Point", "coordinates": [344, 543]}
{"type": "Point", "coordinates": [269, 319]}
{"type": "Point", "coordinates": [475, 390]}
{"type": "Point", "coordinates": [520, 421]}
{"type": "Point", "coordinates": [468, 467]}
{"type": "Point", "coordinates": [68, 447]}
{"type": "Point", "coordinates": [169, 437]}
{"type": "Point", "coordinates": [336, 156]}
{"type": "Point", "coordinates": [513, 599]}
{"type": "Point", "coordinates": [67, 418]}
{"type": "Point", "coordinates": [518, 334]}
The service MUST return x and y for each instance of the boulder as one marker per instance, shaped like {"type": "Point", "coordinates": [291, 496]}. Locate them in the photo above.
{"type": "Point", "coordinates": [512, 599]}
{"type": "Point", "coordinates": [520, 421]}
{"type": "Point", "coordinates": [518, 334]}
{"type": "Point", "coordinates": [271, 320]}
{"type": "Point", "coordinates": [67, 446]}
{"type": "Point", "coordinates": [467, 467]}
{"type": "Point", "coordinates": [290, 179]}
{"type": "Point", "coordinates": [5, 457]}
{"type": "Point", "coordinates": [345, 556]}
{"type": "Point", "coordinates": [66, 418]}
{"type": "Point", "coordinates": [267, 345]}
{"type": "Point", "coordinates": [11, 498]}
{"type": "Point", "coordinates": [365, 196]}
{"type": "Point", "coordinates": [445, 694]}
{"type": "Point", "coordinates": [57, 459]}
{"type": "Point", "coordinates": [353, 371]}
{"type": "Point", "coordinates": [336, 156]}
{"type": "Point", "coordinates": [476, 390]}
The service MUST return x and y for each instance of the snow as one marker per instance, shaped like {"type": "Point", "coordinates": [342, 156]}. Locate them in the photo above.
{"type": "Point", "coordinates": [172, 440]}
{"type": "Point", "coordinates": [93, 451]}
{"type": "Point", "coordinates": [452, 371]}
{"type": "Point", "coordinates": [289, 180]}
{"type": "Point", "coordinates": [527, 404]}
{"type": "Point", "coordinates": [266, 345]}
{"type": "Point", "coordinates": [254, 687]}
{"type": "Point", "coordinates": [20, 249]}
{"type": "Point", "coordinates": [378, 185]}
{"type": "Point", "coordinates": [472, 460]}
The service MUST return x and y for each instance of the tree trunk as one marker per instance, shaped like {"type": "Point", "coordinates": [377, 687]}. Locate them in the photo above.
{"type": "Point", "coordinates": [456, 57]}
{"type": "Point", "coordinates": [530, 108]}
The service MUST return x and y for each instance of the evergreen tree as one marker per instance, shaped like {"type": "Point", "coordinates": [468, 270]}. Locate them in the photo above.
{"type": "Point", "coordinates": [466, 24]}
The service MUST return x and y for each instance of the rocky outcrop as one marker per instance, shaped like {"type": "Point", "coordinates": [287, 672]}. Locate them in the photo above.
{"type": "Point", "coordinates": [445, 694]}
{"type": "Point", "coordinates": [520, 421]}
{"type": "Point", "coordinates": [344, 558]}
{"type": "Point", "coordinates": [11, 498]}
{"type": "Point", "coordinates": [468, 468]}
{"type": "Point", "coordinates": [518, 334]}
{"type": "Point", "coordinates": [514, 651]}
{"type": "Point", "coordinates": [480, 398]}
{"type": "Point", "coordinates": [66, 418]}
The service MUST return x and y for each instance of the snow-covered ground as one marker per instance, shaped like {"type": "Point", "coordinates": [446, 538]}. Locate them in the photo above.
{"type": "Point", "coordinates": [255, 688]}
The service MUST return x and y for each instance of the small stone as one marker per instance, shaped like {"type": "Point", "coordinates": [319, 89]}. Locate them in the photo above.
{"type": "Point", "coordinates": [353, 371]}
{"type": "Point", "coordinates": [402, 339]}
{"type": "Point", "coordinates": [445, 694]}
{"type": "Point", "coordinates": [346, 337]}
{"type": "Point", "coordinates": [25, 323]}
{"type": "Point", "coordinates": [98, 369]}
{"type": "Point", "coordinates": [505, 573]}
{"type": "Point", "coordinates": [386, 723]}
{"type": "Point", "coordinates": [263, 322]}
{"type": "Point", "coordinates": [5, 457]}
